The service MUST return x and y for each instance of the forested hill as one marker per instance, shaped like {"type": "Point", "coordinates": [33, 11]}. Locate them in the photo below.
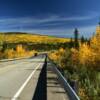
{"type": "Point", "coordinates": [31, 41]}
{"type": "Point", "coordinates": [16, 37]}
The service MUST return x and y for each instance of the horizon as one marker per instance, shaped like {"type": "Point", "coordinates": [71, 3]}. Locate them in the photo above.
{"type": "Point", "coordinates": [47, 17]}
{"type": "Point", "coordinates": [56, 36]}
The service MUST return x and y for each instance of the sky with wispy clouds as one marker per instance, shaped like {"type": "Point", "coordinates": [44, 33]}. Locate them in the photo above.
{"type": "Point", "coordinates": [50, 17]}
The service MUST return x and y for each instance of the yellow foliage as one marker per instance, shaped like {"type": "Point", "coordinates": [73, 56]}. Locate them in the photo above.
{"type": "Point", "coordinates": [95, 43]}
{"type": "Point", "coordinates": [98, 30]}
{"type": "Point", "coordinates": [61, 50]}
{"type": "Point", "coordinates": [54, 56]}
{"type": "Point", "coordinates": [82, 94]}
{"type": "Point", "coordinates": [75, 56]}
{"type": "Point", "coordinates": [10, 53]}
{"type": "Point", "coordinates": [16, 38]}
{"type": "Point", "coordinates": [19, 48]}
{"type": "Point", "coordinates": [86, 55]}
{"type": "Point", "coordinates": [20, 52]}
{"type": "Point", "coordinates": [90, 55]}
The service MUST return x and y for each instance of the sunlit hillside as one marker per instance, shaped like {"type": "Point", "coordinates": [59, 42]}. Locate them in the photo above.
{"type": "Point", "coordinates": [30, 38]}
{"type": "Point", "coordinates": [16, 44]}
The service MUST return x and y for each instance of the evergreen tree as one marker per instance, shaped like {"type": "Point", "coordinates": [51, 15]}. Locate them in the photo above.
{"type": "Point", "coordinates": [71, 43]}
{"type": "Point", "coordinates": [4, 46]}
{"type": "Point", "coordinates": [76, 43]}
{"type": "Point", "coordinates": [82, 39]}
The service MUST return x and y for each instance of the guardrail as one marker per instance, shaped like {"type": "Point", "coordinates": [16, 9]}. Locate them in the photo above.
{"type": "Point", "coordinates": [41, 88]}
{"type": "Point", "coordinates": [72, 94]}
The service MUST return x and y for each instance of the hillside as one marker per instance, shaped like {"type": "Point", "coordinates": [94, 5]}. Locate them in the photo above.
{"type": "Point", "coordinates": [14, 37]}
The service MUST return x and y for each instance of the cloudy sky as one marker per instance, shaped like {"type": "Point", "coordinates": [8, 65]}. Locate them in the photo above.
{"type": "Point", "coordinates": [51, 17]}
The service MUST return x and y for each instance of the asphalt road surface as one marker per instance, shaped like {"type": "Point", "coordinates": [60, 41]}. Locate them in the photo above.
{"type": "Point", "coordinates": [19, 78]}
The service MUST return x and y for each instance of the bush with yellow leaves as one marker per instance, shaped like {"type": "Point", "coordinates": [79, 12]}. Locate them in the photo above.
{"type": "Point", "coordinates": [19, 52]}
{"type": "Point", "coordinates": [86, 56]}
{"type": "Point", "coordinates": [56, 55]}
{"type": "Point", "coordinates": [82, 94]}
{"type": "Point", "coordinates": [9, 53]}
{"type": "Point", "coordinates": [95, 46]}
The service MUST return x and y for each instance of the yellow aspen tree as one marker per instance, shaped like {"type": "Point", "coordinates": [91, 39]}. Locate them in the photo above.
{"type": "Point", "coordinates": [95, 45]}
{"type": "Point", "coordinates": [20, 51]}
{"type": "Point", "coordinates": [9, 53]}
{"type": "Point", "coordinates": [86, 55]}
{"type": "Point", "coordinates": [75, 56]}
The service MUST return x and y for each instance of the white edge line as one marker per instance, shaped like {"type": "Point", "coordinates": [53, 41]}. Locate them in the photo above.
{"type": "Point", "coordinates": [68, 84]}
{"type": "Point", "coordinates": [25, 83]}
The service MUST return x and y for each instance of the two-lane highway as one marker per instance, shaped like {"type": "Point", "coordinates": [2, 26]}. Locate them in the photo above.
{"type": "Point", "coordinates": [18, 79]}
{"type": "Point", "coordinates": [32, 78]}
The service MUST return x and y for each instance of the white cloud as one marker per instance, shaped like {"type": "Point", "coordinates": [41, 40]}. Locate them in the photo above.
{"type": "Point", "coordinates": [53, 18]}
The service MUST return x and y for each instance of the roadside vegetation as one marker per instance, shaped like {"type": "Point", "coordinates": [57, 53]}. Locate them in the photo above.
{"type": "Point", "coordinates": [81, 65]}
{"type": "Point", "coordinates": [13, 45]}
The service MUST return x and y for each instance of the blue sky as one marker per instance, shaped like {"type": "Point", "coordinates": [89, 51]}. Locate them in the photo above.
{"type": "Point", "coordinates": [50, 17]}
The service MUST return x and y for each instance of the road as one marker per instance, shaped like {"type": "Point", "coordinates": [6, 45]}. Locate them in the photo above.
{"type": "Point", "coordinates": [19, 78]}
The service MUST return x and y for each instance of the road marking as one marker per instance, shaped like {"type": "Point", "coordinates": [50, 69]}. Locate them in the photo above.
{"type": "Point", "coordinates": [25, 83]}
{"type": "Point", "coordinates": [11, 66]}
{"type": "Point", "coordinates": [8, 67]}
